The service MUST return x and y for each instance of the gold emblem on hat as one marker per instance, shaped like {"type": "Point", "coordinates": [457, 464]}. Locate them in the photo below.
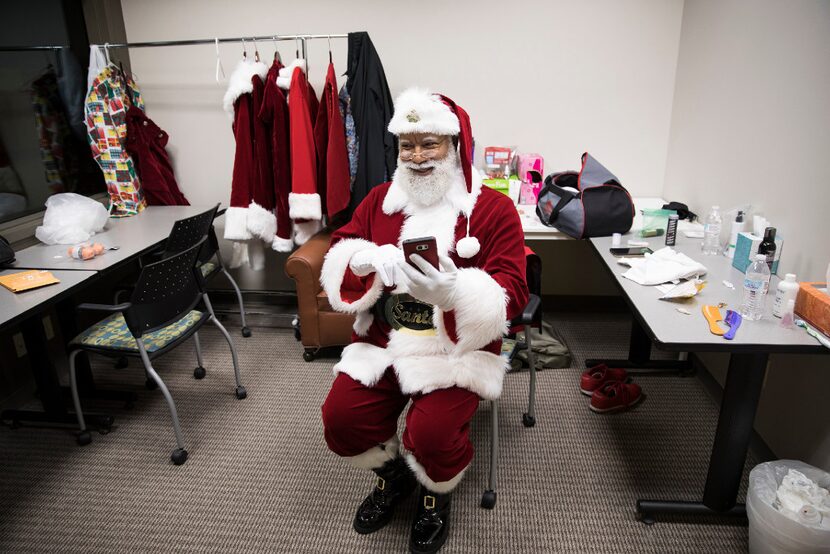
{"type": "Point", "coordinates": [413, 116]}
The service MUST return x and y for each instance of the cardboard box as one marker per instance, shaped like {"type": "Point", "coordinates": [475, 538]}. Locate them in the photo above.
{"type": "Point", "coordinates": [813, 306]}
{"type": "Point", "coordinates": [746, 248]}
{"type": "Point", "coordinates": [500, 185]}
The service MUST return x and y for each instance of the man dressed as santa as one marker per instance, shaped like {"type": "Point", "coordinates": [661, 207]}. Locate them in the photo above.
{"type": "Point", "coordinates": [426, 335]}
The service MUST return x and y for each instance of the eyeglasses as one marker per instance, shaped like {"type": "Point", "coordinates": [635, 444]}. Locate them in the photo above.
{"type": "Point", "coordinates": [428, 152]}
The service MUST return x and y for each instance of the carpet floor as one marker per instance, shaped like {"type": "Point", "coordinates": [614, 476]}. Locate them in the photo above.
{"type": "Point", "coordinates": [260, 479]}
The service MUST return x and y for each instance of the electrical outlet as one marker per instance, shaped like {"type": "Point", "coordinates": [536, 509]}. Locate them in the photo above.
{"type": "Point", "coordinates": [47, 328]}
{"type": "Point", "coordinates": [19, 345]}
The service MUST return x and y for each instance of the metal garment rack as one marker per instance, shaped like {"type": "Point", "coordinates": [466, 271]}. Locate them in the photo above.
{"type": "Point", "coordinates": [188, 42]}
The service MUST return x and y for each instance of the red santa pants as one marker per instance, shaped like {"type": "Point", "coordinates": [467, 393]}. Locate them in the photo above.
{"type": "Point", "coordinates": [358, 418]}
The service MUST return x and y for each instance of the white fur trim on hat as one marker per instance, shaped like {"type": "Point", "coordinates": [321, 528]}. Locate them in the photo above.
{"type": "Point", "coordinates": [261, 222]}
{"type": "Point", "coordinates": [468, 247]}
{"type": "Point", "coordinates": [236, 224]}
{"type": "Point", "coordinates": [441, 487]}
{"type": "Point", "coordinates": [334, 270]}
{"type": "Point", "coordinates": [419, 111]}
{"type": "Point", "coordinates": [240, 82]}
{"type": "Point", "coordinates": [304, 206]}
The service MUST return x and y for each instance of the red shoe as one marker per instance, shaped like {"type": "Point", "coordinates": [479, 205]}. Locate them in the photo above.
{"type": "Point", "coordinates": [615, 396]}
{"type": "Point", "coordinates": [594, 377]}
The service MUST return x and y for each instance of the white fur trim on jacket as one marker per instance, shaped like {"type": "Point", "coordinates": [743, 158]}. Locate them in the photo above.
{"type": "Point", "coordinates": [362, 323]}
{"type": "Point", "coordinates": [417, 110]}
{"type": "Point", "coordinates": [240, 82]}
{"type": "Point", "coordinates": [280, 244]}
{"type": "Point", "coordinates": [480, 309]}
{"type": "Point", "coordinates": [334, 269]}
{"type": "Point", "coordinates": [378, 455]}
{"type": "Point", "coordinates": [236, 224]}
{"type": "Point", "coordinates": [441, 487]}
{"type": "Point", "coordinates": [286, 73]}
{"type": "Point", "coordinates": [479, 371]}
{"type": "Point", "coordinates": [363, 362]}
{"type": "Point", "coordinates": [261, 222]}
{"type": "Point", "coordinates": [304, 206]}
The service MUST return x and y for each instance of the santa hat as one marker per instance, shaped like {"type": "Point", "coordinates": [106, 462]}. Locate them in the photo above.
{"type": "Point", "coordinates": [419, 111]}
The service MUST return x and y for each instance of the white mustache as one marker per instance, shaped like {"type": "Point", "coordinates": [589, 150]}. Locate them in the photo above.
{"type": "Point", "coordinates": [421, 166]}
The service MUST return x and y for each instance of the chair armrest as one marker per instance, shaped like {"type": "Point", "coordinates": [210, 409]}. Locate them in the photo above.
{"type": "Point", "coordinates": [529, 313]}
{"type": "Point", "coordinates": [103, 307]}
{"type": "Point", "coordinates": [306, 263]}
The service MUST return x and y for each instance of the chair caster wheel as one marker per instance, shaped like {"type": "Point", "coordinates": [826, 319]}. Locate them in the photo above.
{"type": "Point", "coordinates": [149, 384]}
{"type": "Point", "coordinates": [121, 363]}
{"type": "Point", "coordinates": [647, 519]}
{"type": "Point", "coordinates": [199, 373]}
{"type": "Point", "coordinates": [241, 393]}
{"type": "Point", "coordinates": [308, 356]}
{"type": "Point", "coordinates": [528, 420]}
{"type": "Point", "coordinates": [488, 500]}
{"type": "Point", "coordinates": [246, 332]}
{"type": "Point", "coordinates": [84, 438]}
{"type": "Point", "coordinates": [179, 456]}
{"type": "Point", "coordinates": [104, 430]}
{"type": "Point", "coordinates": [297, 335]}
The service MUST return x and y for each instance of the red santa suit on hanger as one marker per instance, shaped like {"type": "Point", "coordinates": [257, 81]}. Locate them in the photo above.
{"type": "Point", "coordinates": [434, 337]}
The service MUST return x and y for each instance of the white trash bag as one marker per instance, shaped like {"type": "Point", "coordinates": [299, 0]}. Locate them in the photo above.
{"type": "Point", "coordinates": [788, 506]}
{"type": "Point", "coordinates": [70, 219]}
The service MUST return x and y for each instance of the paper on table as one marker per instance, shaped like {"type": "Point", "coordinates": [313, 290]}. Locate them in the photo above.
{"type": "Point", "coordinates": [27, 280]}
{"type": "Point", "coordinates": [663, 266]}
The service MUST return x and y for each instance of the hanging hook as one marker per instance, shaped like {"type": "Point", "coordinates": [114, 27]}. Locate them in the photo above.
{"type": "Point", "coordinates": [256, 49]}
{"type": "Point", "coordinates": [219, 69]}
{"type": "Point", "coordinates": [244, 50]}
{"type": "Point", "coordinates": [329, 39]}
{"type": "Point", "coordinates": [277, 56]}
{"type": "Point", "coordinates": [296, 46]}
{"type": "Point", "coordinates": [107, 52]}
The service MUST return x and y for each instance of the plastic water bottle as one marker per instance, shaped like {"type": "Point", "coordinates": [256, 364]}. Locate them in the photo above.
{"type": "Point", "coordinates": [756, 286]}
{"type": "Point", "coordinates": [711, 232]}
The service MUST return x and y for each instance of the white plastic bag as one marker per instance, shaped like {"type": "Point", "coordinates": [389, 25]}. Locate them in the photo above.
{"type": "Point", "coordinates": [772, 527]}
{"type": "Point", "coordinates": [71, 218]}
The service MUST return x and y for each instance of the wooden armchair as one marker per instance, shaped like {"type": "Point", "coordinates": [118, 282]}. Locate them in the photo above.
{"type": "Point", "coordinates": [318, 324]}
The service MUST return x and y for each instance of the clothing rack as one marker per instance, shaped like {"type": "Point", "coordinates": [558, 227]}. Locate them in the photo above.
{"type": "Point", "coordinates": [188, 42]}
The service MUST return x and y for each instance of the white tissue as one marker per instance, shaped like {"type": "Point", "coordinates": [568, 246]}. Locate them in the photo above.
{"type": "Point", "coordinates": [664, 266]}
{"type": "Point", "coordinates": [800, 496]}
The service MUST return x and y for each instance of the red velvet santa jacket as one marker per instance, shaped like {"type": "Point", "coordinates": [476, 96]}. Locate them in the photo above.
{"type": "Point", "coordinates": [491, 289]}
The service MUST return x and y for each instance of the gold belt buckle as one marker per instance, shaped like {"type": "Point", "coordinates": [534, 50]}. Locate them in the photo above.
{"type": "Point", "coordinates": [429, 502]}
{"type": "Point", "coordinates": [381, 483]}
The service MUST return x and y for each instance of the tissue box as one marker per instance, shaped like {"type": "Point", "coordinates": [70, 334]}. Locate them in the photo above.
{"type": "Point", "coordinates": [813, 306]}
{"type": "Point", "coordinates": [746, 248]}
{"type": "Point", "coordinates": [500, 185]}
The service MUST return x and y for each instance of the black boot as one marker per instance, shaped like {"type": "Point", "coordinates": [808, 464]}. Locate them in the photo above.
{"type": "Point", "coordinates": [432, 522]}
{"type": "Point", "coordinates": [395, 482]}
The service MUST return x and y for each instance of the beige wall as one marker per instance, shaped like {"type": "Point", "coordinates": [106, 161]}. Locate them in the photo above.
{"type": "Point", "coordinates": [751, 123]}
{"type": "Point", "coordinates": [554, 77]}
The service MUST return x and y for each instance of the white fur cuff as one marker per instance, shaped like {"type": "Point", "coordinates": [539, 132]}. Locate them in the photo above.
{"type": "Point", "coordinates": [305, 230]}
{"type": "Point", "coordinates": [334, 270]}
{"type": "Point", "coordinates": [261, 222]}
{"type": "Point", "coordinates": [480, 310]}
{"type": "Point", "coordinates": [441, 487]}
{"type": "Point", "coordinates": [378, 455]}
{"type": "Point", "coordinates": [236, 224]}
{"type": "Point", "coordinates": [282, 245]}
{"type": "Point", "coordinates": [304, 206]}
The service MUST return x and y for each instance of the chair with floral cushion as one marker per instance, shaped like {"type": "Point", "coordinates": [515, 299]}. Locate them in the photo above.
{"type": "Point", "coordinates": [163, 312]}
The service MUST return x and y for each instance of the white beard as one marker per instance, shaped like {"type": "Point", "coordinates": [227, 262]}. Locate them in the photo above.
{"type": "Point", "coordinates": [427, 190]}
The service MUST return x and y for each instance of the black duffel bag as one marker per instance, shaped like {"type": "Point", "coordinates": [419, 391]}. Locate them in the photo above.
{"type": "Point", "coordinates": [600, 205]}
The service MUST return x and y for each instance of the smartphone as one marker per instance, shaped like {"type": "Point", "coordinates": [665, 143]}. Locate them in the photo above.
{"type": "Point", "coordinates": [424, 247]}
{"type": "Point", "coordinates": [630, 252]}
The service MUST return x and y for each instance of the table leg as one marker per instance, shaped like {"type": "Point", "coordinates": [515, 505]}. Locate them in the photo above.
{"type": "Point", "coordinates": [744, 382]}
{"type": "Point", "coordinates": [48, 385]}
{"type": "Point", "coordinates": [639, 355]}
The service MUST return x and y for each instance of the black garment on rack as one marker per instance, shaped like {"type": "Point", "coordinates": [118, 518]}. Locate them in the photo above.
{"type": "Point", "coordinates": [372, 107]}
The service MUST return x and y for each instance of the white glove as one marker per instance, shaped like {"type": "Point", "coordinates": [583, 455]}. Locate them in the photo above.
{"type": "Point", "coordinates": [430, 285]}
{"type": "Point", "coordinates": [383, 260]}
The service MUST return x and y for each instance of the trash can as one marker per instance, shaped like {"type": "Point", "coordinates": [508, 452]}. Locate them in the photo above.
{"type": "Point", "coordinates": [776, 525]}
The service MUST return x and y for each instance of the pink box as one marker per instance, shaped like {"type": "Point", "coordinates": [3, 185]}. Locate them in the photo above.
{"type": "Point", "coordinates": [529, 162]}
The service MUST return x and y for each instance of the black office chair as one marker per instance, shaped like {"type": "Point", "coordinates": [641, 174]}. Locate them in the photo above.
{"type": "Point", "coordinates": [160, 316]}
{"type": "Point", "coordinates": [531, 316]}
